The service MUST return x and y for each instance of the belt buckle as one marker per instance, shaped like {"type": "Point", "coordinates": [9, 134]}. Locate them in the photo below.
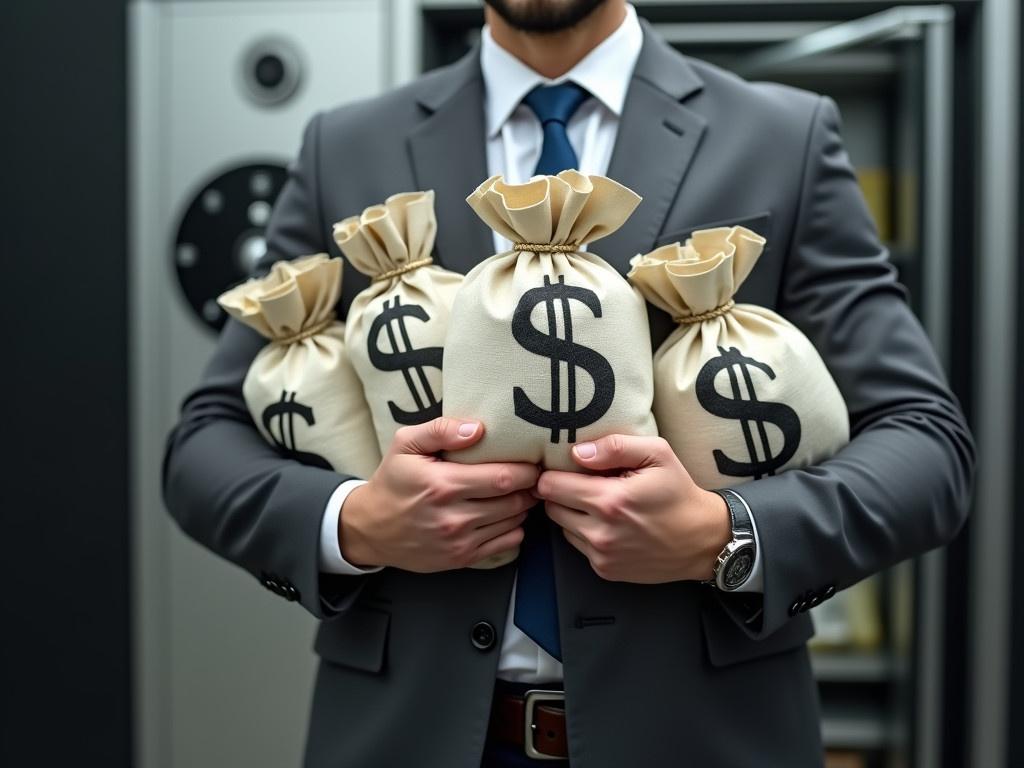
{"type": "Point", "coordinates": [531, 699]}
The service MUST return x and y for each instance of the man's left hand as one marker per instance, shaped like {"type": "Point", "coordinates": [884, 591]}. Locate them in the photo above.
{"type": "Point", "coordinates": [642, 519]}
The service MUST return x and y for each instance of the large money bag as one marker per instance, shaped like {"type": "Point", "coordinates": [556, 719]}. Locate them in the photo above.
{"type": "Point", "coordinates": [739, 392]}
{"type": "Point", "coordinates": [301, 388]}
{"type": "Point", "coordinates": [548, 344]}
{"type": "Point", "coordinates": [396, 327]}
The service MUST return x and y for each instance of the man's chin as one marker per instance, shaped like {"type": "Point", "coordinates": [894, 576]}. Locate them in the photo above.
{"type": "Point", "coordinates": [543, 16]}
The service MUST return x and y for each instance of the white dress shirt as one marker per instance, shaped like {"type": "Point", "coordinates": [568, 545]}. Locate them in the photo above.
{"type": "Point", "coordinates": [514, 140]}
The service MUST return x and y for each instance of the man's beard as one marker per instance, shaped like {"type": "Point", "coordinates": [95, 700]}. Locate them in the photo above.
{"type": "Point", "coordinates": [543, 16]}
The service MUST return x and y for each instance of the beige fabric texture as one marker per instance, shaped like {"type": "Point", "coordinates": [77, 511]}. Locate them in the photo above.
{"type": "Point", "coordinates": [512, 360]}
{"type": "Point", "coordinates": [742, 393]}
{"type": "Point", "coordinates": [396, 327]}
{"type": "Point", "coordinates": [301, 388]}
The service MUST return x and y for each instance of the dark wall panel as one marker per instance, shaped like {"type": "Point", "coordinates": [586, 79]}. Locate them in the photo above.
{"type": "Point", "coordinates": [65, 534]}
{"type": "Point", "coordinates": [1016, 746]}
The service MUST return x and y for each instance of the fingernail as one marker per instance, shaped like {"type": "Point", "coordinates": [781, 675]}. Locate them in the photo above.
{"type": "Point", "coordinates": [468, 428]}
{"type": "Point", "coordinates": [586, 450]}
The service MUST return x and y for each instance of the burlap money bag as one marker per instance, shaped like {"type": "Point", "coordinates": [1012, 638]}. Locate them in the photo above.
{"type": "Point", "coordinates": [548, 344]}
{"type": "Point", "coordinates": [396, 327]}
{"type": "Point", "coordinates": [301, 388]}
{"type": "Point", "coordinates": [739, 392]}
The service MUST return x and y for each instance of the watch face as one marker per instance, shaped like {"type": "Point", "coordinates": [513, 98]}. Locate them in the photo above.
{"type": "Point", "coordinates": [738, 568]}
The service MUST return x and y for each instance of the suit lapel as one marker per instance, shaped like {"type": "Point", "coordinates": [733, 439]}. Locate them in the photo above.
{"type": "Point", "coordinates": [656, 142]}
{"type": "Point", "coordinates": [448, 155]}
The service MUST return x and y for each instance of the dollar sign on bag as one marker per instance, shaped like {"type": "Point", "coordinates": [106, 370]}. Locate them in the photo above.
{"type": "Point", "coordinates": [561, 350]}
{"type": "Point", "coordinates": [750, 412]}
{"type": "Point", "coordinates": [406, 359]}
{"type": "Point", "coordinates": [284, 411]}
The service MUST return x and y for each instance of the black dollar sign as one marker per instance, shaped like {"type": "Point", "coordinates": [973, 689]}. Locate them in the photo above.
{"type": "Point", "coordinates": [746, 411]}
{"type": "Point", "coordinates": [285, 410]}
{"type": "Point", "coordinates": [406, 359]}
{"type": "Point", "coordinates": [561, 350]}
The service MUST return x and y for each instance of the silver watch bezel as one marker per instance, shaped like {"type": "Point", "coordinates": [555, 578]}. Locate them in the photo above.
{"type": "Point", "coordinates": [728, 553]}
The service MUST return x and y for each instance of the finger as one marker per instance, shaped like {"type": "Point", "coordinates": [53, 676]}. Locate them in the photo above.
{"type": "Point", "coordinates": [485, 481]}
{"type": "Point", "coordinates": [621, 452]}
{"type": "Point", "coordinates": [571, 489]}
{"type": "Point", "coordinates": [572, 520]}
{"type": "Point", "coordinates": [486, 511]}
{"type": "Point", "coordinates": [499, 544]}
{"type": "Point", "coordinates": [485, 533]}
{"type": "Point", "coordinates": [578, 542]}
{"type": "Point", "coordinates": [441, 434]}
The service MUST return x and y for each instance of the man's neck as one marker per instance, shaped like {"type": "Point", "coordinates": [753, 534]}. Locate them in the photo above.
{"type": "Point", "coordinates": [552, 54]}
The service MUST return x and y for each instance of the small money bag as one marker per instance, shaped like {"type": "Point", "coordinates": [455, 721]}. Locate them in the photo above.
{"type": "Point", "coordinates": [548, 345]}
{"type": "Point", "coordinates": [301, 389]}
{"type": "Point", "coordinates": [396, 327]}
{"type": "Point", "coordinates": [739, 392]}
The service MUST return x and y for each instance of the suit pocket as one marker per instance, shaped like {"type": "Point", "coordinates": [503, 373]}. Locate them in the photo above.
{"type": "Point", "coordinates": [357, 638]}
{"type": "Point", "coordinates": [727, 643]}
{"type": "Point", "coordinates": [758, 222]}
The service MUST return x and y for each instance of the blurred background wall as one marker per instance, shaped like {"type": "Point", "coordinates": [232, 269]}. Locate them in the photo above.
{"type": "Point", "coordinates": [145, 141]}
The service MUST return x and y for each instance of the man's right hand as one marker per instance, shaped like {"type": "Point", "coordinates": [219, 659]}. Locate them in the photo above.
{"type": "Point", "coordinates": [421, 513]}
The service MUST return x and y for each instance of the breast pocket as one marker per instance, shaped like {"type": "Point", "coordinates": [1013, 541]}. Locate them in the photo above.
{"type": "Point", "coordinates": [357, 638]}
{"type": "Point", "coordinates": [757, 222]}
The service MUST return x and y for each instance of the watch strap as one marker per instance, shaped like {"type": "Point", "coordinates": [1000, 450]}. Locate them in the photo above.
{"type": "Point", "coordinates": [742, 537]}
{"type": "Point", "coordinates": [742, 527]}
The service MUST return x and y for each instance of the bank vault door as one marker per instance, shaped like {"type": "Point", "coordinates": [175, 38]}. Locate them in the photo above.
{"type": "Point", "coordinates": [220, 92]}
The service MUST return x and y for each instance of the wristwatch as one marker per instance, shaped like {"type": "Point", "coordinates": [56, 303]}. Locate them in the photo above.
{"type": "Point", "coordinates": [736, 560]}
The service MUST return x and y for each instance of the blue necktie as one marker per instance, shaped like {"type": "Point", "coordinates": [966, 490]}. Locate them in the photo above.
{"type": "Point", "coordinates": [536, 608]}
{"type": "Point", "coordinates": [554, 105]}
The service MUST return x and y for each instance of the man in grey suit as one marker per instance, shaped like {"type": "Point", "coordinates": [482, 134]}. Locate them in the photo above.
{"type": "Point", "coordinates": [423, 661]}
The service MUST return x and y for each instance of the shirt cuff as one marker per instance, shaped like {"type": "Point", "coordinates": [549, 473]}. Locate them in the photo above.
{"type": "Point", "coordinates": [331, 560]}
{"type": "Point", "coordinates": [754, 582]}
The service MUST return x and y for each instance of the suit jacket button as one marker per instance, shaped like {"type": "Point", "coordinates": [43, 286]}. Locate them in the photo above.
{"type": "Point", "coordinates": [483, 635]}
{"type": "Point", "coordinates": [794, 609]}
{"type": "Point", "coordinates": [829, 591]}
{"type": "Point", "coordinates": [816, 599]}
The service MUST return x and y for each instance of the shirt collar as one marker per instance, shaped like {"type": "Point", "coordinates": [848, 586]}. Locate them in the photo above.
{"type": "Point", "coordinates": [605, 72]}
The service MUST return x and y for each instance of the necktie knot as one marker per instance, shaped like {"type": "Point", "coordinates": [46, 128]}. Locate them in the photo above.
{"type": "Point", "coordinates": [556, 102]}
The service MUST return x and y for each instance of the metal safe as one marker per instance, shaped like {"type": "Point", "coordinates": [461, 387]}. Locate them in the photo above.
{"type": "Point", "coordinates": [219, 95]}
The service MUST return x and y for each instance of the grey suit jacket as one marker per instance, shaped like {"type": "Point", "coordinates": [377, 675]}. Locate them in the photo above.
{"type": "Point", "coordinates": [657, 675]}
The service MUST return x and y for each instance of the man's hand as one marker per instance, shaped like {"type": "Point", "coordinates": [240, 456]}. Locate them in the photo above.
{"type": "Point", "coordinates": [643, 519]}
{"type": "Point", "coordinates": [421, 513]}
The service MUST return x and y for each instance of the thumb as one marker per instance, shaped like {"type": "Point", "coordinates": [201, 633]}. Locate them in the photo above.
{"type": "Point", "coordinates": [619, 452]}
{"type": "Point", "coordinates": [441, 434]}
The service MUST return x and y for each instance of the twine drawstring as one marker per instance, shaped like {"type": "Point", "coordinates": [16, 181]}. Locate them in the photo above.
{"type": "Point", "coordinates": [305, 334]}
{"type": "Point", "coordinates": [545, 248]}
{"type": "Point", "coordinates": [711, 314]}
{"type": "Point", "coordinates": [425, 261]}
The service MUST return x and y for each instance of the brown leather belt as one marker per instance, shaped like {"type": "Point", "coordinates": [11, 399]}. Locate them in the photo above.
{"type": "Point", "coordinates": [538, 713]}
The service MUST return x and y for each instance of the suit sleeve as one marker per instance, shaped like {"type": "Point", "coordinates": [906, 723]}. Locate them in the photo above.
{"type": "Point", "coordinates": [902, 485]}
{"type": "Point", "coordinates": [223, 484]}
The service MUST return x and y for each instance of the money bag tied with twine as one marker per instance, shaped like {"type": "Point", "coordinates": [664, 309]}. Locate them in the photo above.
{"type": "Point", "coordinates": [739, 392]}
{"type": "Point", "coordinates": [548, 344]}
{"type": "Point", "coordinates": [301, 389]}
{"type": "Point", "coordinates": [396, 327]}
